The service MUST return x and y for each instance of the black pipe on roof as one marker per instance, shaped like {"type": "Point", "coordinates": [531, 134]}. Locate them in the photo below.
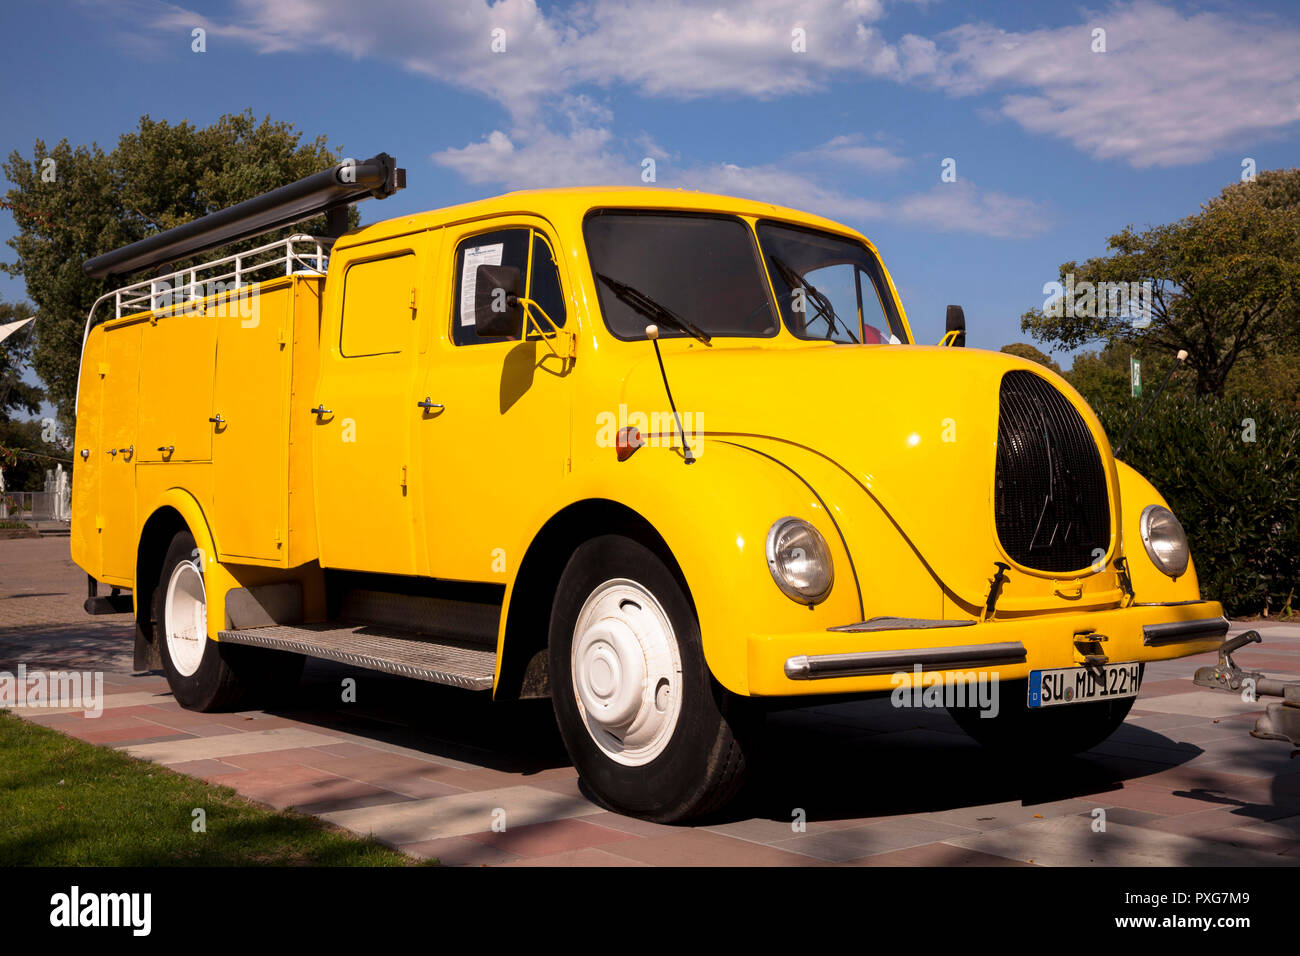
{"type": "Point", "coordinates": [330, 189]}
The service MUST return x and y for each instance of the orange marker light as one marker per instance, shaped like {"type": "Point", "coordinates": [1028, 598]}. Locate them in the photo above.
{"type": "Point", "coordinates": [629, 440]}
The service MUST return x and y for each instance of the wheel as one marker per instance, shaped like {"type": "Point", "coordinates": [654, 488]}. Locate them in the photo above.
{"type": "Point", "coordinates": [203, 674]}
{"type": "Point", "coordinates": [649, 730]}
{"type": "Point", "coordinates": [1019, 730]}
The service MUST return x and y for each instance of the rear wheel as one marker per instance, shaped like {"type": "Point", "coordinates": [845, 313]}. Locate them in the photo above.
{"type": "Point", "coordinates": [1059, 731]}
{"type": "Point", "coordinates": [650, 732]}
{"type": "Point", "coordinates": [204, 674]}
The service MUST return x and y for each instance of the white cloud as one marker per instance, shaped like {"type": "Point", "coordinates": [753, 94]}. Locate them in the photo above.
{"type": "Point", "coordinates": [677, 48]}
{"type": "Point", "coordinates": [963, 207]}
{"type": "Point", "coordinates": [853, 152]}
{"type": "Point", "coordinates": [781, 187]}
{"type": "Point", "coordinates": [1171, 88]}
{"type": "Point", "coordinates": [538, 157]}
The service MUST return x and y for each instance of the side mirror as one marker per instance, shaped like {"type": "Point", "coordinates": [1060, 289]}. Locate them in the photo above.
{"type": "Point", "coordinates": [497, 312]}
{"type": "Point", "coordinates": [955, 322]}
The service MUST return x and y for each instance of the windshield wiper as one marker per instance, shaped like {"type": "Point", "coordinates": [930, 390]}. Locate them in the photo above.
{"type": "Point", "coordinates": [651, 309]}
{"type": "Point", "coordinates": [823, 304]}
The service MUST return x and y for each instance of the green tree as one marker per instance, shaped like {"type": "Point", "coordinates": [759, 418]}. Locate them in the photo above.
{"type": "Point", "coordinates": [1105, 376]}
{"type": "Point", "coordinates": [24, 452]}
{"type": "Point", "coordinates": [88, 202]}
{"type": "Point", "coordinates": [1026, 351]}
{"type": "Point", "coordinates": [15, 357]}
{"type": "Point", "coordinates": [1225, 283]}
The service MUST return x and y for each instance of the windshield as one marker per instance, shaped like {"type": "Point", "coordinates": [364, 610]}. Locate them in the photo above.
{"type": "Point", "coordinates": [702, 269]}
{"type": "Point", "coordinates": [703, 275]}
{"type": "Point", "coordinates": [829, 287]}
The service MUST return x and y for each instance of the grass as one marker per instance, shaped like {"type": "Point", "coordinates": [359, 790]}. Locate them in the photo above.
{"type": "Point", "coordinates": [64, 802]}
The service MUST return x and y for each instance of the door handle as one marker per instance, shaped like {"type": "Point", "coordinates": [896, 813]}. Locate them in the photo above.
{"type": "Point", "coordinates": [429, 403]}
{"type": "Point", "coordinates": [111, 451]}
{"type": "Point", "coordinates": [167, 448]}
{"type": "Point", "coordinates": [218, 420]}
{"type": "Point", "coordinates": [321, 410]}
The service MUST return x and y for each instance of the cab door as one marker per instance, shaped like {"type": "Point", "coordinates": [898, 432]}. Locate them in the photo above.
{"type": "Point", "coordinates": [365, 410]}
{"type": "Point", "coordinates": [496, 439]}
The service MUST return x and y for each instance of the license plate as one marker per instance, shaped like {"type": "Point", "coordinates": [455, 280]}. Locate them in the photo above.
{"type": "Point", "coordinates": [1074, 685]}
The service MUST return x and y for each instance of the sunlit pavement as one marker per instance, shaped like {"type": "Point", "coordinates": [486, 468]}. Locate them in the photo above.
{"type": "Point", "coordinates": [439, 772]}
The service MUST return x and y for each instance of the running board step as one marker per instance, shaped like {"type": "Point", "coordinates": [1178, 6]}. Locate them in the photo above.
{"type": "Point", "coordinates": [387, 649]}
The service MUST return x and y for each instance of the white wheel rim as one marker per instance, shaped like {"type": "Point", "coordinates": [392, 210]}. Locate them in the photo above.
{"type": "Point", "coordinates": [185, 618]}
{"type": "Point", "coordinates": [627, 672]}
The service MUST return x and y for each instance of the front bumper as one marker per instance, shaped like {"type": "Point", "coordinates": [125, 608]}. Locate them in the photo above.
{"type": "Point", "coordinates": [865, 658]}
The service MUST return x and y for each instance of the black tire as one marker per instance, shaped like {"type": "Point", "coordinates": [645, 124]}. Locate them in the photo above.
{"type": "Point", "coordinates": [1021, 731]}
{"type": "Point", "coordinates": [703, 764]}
{"type": "Point", "coordinates": [228, 675]}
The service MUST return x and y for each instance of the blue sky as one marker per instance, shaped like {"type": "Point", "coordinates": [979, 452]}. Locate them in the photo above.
{"type": "Point", "coordinates": [1056, 146]}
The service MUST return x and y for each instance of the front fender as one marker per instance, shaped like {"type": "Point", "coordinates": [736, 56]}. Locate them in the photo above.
{"type": "Point", "coordinates": [1150, 584]}
{"type": "Point", "coordinates": [714, 516]}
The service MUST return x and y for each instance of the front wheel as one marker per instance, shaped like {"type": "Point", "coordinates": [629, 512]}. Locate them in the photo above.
{"type": "Point", "coordinates": [1022, 731]}
{"type": "Point", "coordinates": [649, 730]}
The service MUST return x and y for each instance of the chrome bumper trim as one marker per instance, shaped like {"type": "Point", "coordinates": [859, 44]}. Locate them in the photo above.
{"type": "Point", "coordinates": [897, 624]}
{"type": "Point", "coordinates": [865, 663]}
{"type": "Point", "coordinates": [1173, 632]}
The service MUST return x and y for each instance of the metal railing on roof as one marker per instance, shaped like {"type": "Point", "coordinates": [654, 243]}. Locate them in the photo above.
{"type": "Point", "coordinates": [295, 255]}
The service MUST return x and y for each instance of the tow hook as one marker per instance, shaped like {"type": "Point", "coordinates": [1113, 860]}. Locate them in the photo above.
{"type": "Point", "coordinates": [1281, 720]}
{"type": "Point", "coordinates": [1088, 644]}
{"type": "Point", "coordinates": [1226, 675]}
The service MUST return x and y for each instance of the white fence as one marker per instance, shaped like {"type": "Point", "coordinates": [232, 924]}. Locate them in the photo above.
{"type": "Point", "coordinates": [48, 510]}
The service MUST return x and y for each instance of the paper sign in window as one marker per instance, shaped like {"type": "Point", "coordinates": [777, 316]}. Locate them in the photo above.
{"type": "Point", "coordinates": [475, 256]}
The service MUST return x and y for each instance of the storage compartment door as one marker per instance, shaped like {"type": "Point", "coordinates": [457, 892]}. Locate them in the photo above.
{"type": "Point", "coordinates": [176, 357]}
{"type": "Point", "coordinates": [250, 449]}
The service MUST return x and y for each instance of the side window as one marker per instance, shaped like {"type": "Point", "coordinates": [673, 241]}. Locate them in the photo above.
{"type": "Point", "coordinates": [377, 312]}
{"type": "Point", "coordinates": [544, 284]}
{"type": "Point", "coordinates": [503, 247]}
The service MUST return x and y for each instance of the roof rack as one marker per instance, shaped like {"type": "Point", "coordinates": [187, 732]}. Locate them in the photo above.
{"type": "Point", "coordinates": [328, 191]}
{"type": "Point", "coordinates": [295, 255]}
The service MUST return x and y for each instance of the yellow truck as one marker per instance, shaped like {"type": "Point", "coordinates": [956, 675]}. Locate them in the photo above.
{"type": "Point", "coordinates": [670, 459]}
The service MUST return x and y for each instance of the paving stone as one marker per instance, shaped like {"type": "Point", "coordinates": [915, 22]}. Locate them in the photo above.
{"type": "Point", "coordinates": [229, 745]}
{"type": "Point", "coordinates": [1072, 842]}
{"type": "Point", "coordinates": [296, 786]}
{"type": "Point", "coordinates": [591, 856]}
{"type": "Point", "coordinates": [687, 847]}
{"type": "Point", "coordinates": [460, 814]}
{"type": "Point", "coordinates": [840, 846]}
{"type": "Point", "coordinates": [458, 851]}
{"type": "Point", "coordinates": [1204, 703]}
{"type": "Point", "coordinates": [547, 839]}
{"type": "Point", "coordinates": [935, 854]}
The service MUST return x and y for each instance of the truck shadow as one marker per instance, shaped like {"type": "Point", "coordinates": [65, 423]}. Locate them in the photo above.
{"type": "Point", "coordinates": [846, 764]}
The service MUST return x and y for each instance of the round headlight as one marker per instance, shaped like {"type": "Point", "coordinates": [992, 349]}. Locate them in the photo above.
{"type": "Point", "coordinates": [1165, 540]}
{"type": "Point", "coordinates": [800, 561]}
